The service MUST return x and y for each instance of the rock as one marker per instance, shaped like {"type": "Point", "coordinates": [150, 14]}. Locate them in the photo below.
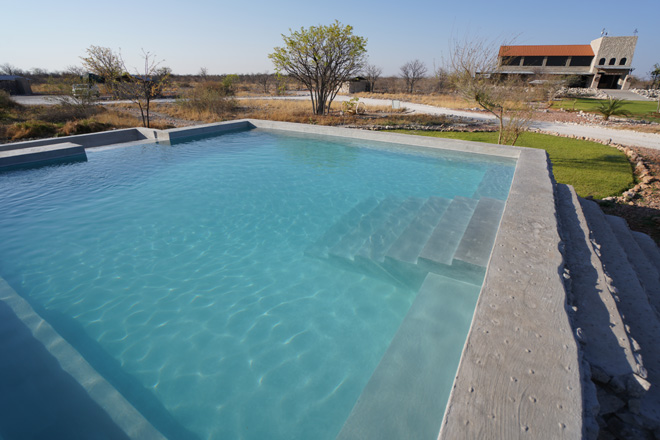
{"type": "Point", "coordinates": [599, 375]}
{"type": "Point", "coordinates": [625, 431]}
{"type": "Point", "coordinates": [618, 384]}
{"type": "Point", "coordinates": [609, 403]}
{"type": "Point", "coordinates": [636, 386]}
{"type": "Point", "coordinates": [635, 406]}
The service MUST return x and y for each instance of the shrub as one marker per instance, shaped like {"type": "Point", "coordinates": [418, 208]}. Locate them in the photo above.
{"type": "Point", "coordinates": [82, 127]}
{"type": "Point", "coordinates": [65, 112]}
{"type": "Point", "coordinates": [5, 101]}
{"type": "Point", "coordinates": [209, 97]}
{"type": "Point", "coordinates": [612, 107]}
{"type": "Point", "coordinates": [30, 130]}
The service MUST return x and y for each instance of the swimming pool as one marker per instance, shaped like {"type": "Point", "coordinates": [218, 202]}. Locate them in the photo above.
{"type": "Point", "coordinates": [234, 280]}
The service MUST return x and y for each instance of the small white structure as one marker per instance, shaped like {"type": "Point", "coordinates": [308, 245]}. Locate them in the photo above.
{"type": "Point", "coordinates": [355, 85]}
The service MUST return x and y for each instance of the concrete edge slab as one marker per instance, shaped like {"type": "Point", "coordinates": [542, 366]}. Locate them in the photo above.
{"type": "Point", "coordinates": [395, 138]}
{"type": "Point", "coordinates": [519, 374]}
{"type": "Point", "coordinates": [33, 155]}
{"type": "Point", "coordinates": [124, 415]}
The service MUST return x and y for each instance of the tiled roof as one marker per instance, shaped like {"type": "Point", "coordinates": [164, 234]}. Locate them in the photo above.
{"type": "Point", "coordinates": [566, 50]}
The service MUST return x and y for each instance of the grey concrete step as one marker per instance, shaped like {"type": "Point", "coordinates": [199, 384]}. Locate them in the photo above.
{"type": "Point", "coordinates": [345, 224]}
{"type": "Point", "coordinates": [646, 272]}
{"type": "Point", "coordinates": [603, 337]}
{"type": "Point", "coordinates": [354, 239]}
{"type": "Point", "coordinates": [633, 304]}
{"type": "Point", "coordinates": [442, 245]}
{"type": "Point", "coordinates": [649, 247]}
{"type": "Point", "coordinates": [44, 153]}
{"type": "Point", "coordinates": [375, 247]}
{"type": "Point", "coordinates": [477, 242]}
{"type": "Point", "coordinates": [413, 239]}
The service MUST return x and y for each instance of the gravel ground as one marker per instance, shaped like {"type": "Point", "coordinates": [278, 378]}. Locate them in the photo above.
{"type": "Point", "coordinates": [641, 206]}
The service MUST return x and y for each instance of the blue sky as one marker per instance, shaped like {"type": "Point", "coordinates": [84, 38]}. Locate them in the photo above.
{"type": "Point", "coordinates": [237, 36]}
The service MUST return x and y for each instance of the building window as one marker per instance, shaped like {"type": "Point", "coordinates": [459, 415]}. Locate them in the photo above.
{"type": "Point", "coordinates": [511, 61]}
{"type": "Point", "coordinates": [556, 61]}
{"type": "Point", "coordinates": [533, 61]}
{"type": "Point", "coordinates": [583, 61]}
{"type": "Point", "coordinates": [623, 61]}
{"type": "Point", "coordinates": [601, 62]}
{"type": "Point", "coordinates": [612, 61]}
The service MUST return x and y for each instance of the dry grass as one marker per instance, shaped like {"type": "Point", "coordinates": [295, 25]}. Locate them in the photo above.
{"type": "Point", "coordinates": [118, 119]}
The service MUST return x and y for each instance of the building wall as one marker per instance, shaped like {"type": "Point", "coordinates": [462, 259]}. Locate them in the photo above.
{"type": "Point", "coordinates": [610, 50]}
{"type": "Point", "coordinates": [614, 47]}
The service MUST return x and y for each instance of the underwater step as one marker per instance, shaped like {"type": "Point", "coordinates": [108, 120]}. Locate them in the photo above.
{"type": "Point", "coordinates": [354, 239]}
{"type": "Point", "coordinates": [446, 237]}
{"type": "Point", "coordinates": [375, 247]}
{"type": "Point", "coordinates": [413, 239]}
{"type": "Point", "coordinates": [479, 237]}
{"type": "Point", "coordinates": [408, 390]}
{"type": "Point", "coordinates": [345, 224]}
{"type": "Point", "coordinates": [495, 183]}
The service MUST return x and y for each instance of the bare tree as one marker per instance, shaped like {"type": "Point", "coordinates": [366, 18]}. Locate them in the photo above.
{"type": "Point", "coordinates": [143, 85]}
{"type": "Point", "coordinates": [372, 73]}
{"type": "Point", "coordinates": [412, 72]}
{"type": "Point", "coordinates": [441, 77]}
{"type": "Point", "coordinates": [473, 74]}
{"type": "Point", "coordinates": [264, 80]}
{"type": "Point", "coordinates": [203, 73]}
{"type": "Point", "coordinates": [8, 69]}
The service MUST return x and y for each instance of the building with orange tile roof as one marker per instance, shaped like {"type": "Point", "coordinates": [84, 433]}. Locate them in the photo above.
{"type": "Point", "coordinates": [605, 63]}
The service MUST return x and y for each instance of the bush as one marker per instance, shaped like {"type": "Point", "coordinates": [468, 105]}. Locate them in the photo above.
{"type": "Point", "coordinates": [82, 127]}
{"type": "Point", "coordinates": [65, 112]}
{"type": "Point", "coordinates": [209, 97]}
{"type": "Point", "coordinates": [31, 130]}
{"type": "Point", "coordinates": [5, 101]}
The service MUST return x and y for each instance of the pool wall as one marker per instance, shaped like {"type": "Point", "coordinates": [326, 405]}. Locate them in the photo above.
{"type": "Point", "coordinates": [519, 374]}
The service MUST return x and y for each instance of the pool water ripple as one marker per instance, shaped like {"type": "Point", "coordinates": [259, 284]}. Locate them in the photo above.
{"type": "Point", "coordinates": [186, 264]}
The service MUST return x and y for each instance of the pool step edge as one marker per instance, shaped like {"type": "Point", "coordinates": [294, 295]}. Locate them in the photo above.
{"type": "Point", "coordinates": [123, 414]}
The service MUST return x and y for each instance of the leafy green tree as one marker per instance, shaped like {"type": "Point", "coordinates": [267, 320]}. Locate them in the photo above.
{"type": "Point", "coordinates": [321, 58]}
{"type": "Point", "coordinates": [105, 63]}
{"type": "Point", "coordinates": [655, 75]}
{"type": "Point", "coordinates": [612, 107]}
{"type": "Point", "coordinates": [655, 81]}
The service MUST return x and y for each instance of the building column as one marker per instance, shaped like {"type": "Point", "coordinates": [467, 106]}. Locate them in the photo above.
{"type": "Point", "coordinates": [595, 81]}
{"type": "Point", "coordinates": [625, 85]}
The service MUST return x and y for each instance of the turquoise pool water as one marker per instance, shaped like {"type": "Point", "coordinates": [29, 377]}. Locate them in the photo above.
{"type": "Point", "coordinates": [188, 275]}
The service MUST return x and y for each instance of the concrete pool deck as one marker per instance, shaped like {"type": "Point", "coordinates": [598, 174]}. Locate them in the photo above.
{"type": "Point", "coordinates": [522, 373]}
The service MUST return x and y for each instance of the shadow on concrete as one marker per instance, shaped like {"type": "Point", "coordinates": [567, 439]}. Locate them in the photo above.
{"type": "Point", "coordinates": [592, 316]}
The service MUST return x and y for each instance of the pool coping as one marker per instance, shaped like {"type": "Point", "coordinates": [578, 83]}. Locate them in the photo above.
{"type": "Point", "coordinates": [519, 372]}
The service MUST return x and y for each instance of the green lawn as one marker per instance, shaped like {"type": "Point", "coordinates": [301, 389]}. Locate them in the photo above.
{"type": "Point", "coordinates": [593, 169]}
{"type": "Point", "coordinates": [639, 109]}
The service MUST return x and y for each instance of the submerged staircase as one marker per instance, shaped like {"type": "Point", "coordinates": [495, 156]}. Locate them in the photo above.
{"type": "Point", "coordinates": [405, 240]}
